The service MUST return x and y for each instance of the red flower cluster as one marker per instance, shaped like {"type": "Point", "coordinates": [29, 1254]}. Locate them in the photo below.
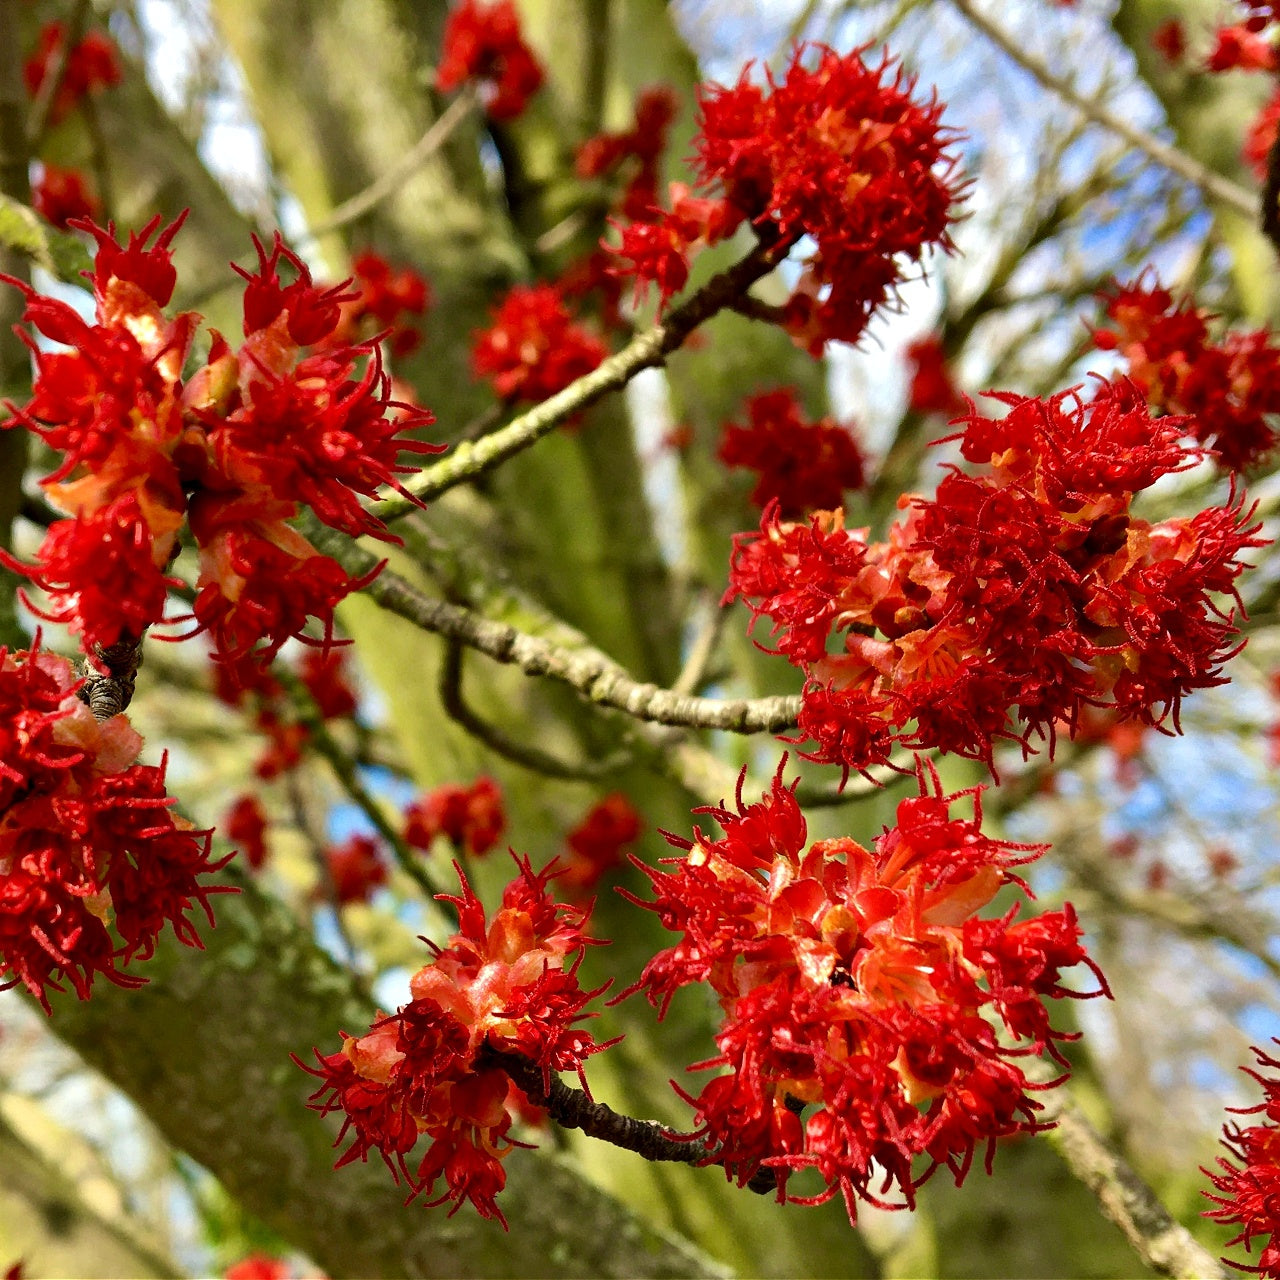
{"type": "Point", "coordinates": [234, 450]}
{"type": "Point", "coordinates": [932, 388]}
{"type": "Point", "coordinates": [471, 817]}
{"type": "Point", "coordinates": [1239, 48]}
{"type": "Point", "coordinates": [534, 348]}
{"type": "Point", "coordinates": [356, 868]}
{"type": "Point", "coordinates": [802, 465]}
{"type": "Point", "coordinates": [387, 296]}
{"type": "Point", "coordinates": [93, 863]}
{"type": "Point", "coordinates": [595, 846]}
{"type": "Point", "coordinates": [1250, 1196]}
{"type": "Point", "coordinates": [246, 826]}
{"type": "Point", "coordinates": [1028, 591]}
{"type": "Point", "coordinates": [510, 983]}
{"type": "Point", "coordinates": [58, 195]}
{"type": "Point", "coordinates": [483, 42]}
{"type": "Point", "coordinates": [839, 153]}
{"type": "Point", "coordinates": [1170, 40]}
{"type": "Point", "coordinates": [1229, 388]}
{"type": "Point", "coordinates": [858, 986]}
{"type": "Point", "coordinates": [644, 144]}
{"type": "Point", "coordinates": [1262, 136]}
{"type": "Point", "coordinates": [92, 65]}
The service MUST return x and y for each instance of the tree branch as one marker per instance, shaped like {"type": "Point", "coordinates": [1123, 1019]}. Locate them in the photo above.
{"type": "Point", "coordinates": [1213, 185]}
{"type": "Point", "coordinates": [471, 459]}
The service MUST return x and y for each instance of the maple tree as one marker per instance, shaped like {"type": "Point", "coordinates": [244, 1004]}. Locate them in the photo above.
{"type": "Point", "coordinates": [352, 519]}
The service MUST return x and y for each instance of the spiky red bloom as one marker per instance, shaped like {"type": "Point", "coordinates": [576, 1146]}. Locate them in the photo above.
{"type": "Point", "coordinates": [1250, 1188]}
{"type": "Point", "coordinates": [932, 387]}
{"type": "Point", "coordinates": [838, 151]}
{"type": "Point", "coordinates": [1012, 599]}
{"type": "Point", "coordinates": [93, 863]}
{"type": "Point", "coordinates": [246, 826]}
{"type": "Point", "coordinates": [803, 466]}
{"type": "Point", "coordinates": [856, 987]}
{"type": "Point", "coordinates": [387, 297]}
{"type": "Point", "coordinates": [356, 867]}
{"type": "Point", "coordinates": [325, 675]}
{"type": "Point", "coordinates": [597, 844]}
{"type": "Point", "coordinates": [59, 195]}
{"type": "Point", "coordinates": [1261, 137]}
{"type": "Point", "coordinates": [484, 43]}
{"type": "Point", "coordinates": [471, 817]}
{"type": "Point", "coordinates": [1229, 388]}
{"type": "Point", "coordinates": [1238, 48]}
{"type": "Point", "coordinates": [534, 348]}
{"type": "Point", "coordinates": [92, 65]}
{"type": "Point", "coordinates": [510, 982]}
{"type": "Point", "coordinates": [640, 148]}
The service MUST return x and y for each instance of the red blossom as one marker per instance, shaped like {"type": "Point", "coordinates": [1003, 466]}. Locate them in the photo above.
{"type": "Point", "coordinates": [638, 149]}
{"type": "Point", "coordinates": [1170, 40]}
{"type": "Point", "coordinates": [246, 826]}
{"type": "Point", "coordinates": [803, 466]}
{"type": "Point", "coordinates": [1237, 48]}
{"type": "Point", "coordinates": [387, 296]}
{"type": "Point", "coordinates": [1249, 1182]}
{"type": "Point", "coordinates": [356, 868]}
{"type": "Point", "coordinates": [258, 1266]}
{"type": "Point", "coordinates": [325, 675]}
{"type": "Point", "coordinates": [534, 348]}
{"type": "Point", "coordinates": [471, 817]}
{"type": "Point", "coordinates": [59, 194]}
{"type": "Point", "coordinates": [1014, 598]}
{"type": "Point", "coordinates": [1228, 389]}
{"type": "Point", "coordinates": [509, 982]}
{"type": "Point", "coordinates": [596, 845]}
{"type": "Point", "coordinates": [92, 65]}
{"type": "Point", "coordinates": [932, 388]}
{"type": "Point", "coordinates": [483, 42]}
{"type": "Point", "coordinates": [1262, 137]}
{"type": "Point", "coordinates": [853, 984]}
{"type": "Point", "coordinates": [87, 839]}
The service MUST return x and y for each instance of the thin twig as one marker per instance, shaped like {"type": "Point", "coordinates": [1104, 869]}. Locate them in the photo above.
{"type": "Point", "coordinates": [469, 460]}
{"type": "Point", "coordinates": [591, 672]}
{"type": "Point", "coordinates": [1166, 1246]}
{"type": "Point", "coordinates": [522, 753]}
{"type": "Point", "coordinates": [1211, 184]}
{"type": "Point", "coordinates": [437, 134]}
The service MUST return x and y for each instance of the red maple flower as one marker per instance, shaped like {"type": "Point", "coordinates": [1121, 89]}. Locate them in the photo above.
{"type": "Point", "coordinates": [596, 845]}
{"type": "Point", "coordinates": [1228, 389]}
{"type": "Point", "coordinates": [1012, 599]}
{"type": "Point", "coordinates": [88, 842]}
{"type": "Point", "coordinates": [839, 152]}
{"type": "Point", "coordinates": [356, 867]}
{"type": "Point", "coordinates": [853, 984]}
{"type": "Point", "coordinates": [387, 296]}
{"type": "Point", "coordinates": [637, 150]}
{"type": "Point", "coordinates": [1250, 1187]}
{"type": "Point", "coordinates": [471, 817]}
{"type": "Point", "coordinates": [510, 983]}
{"type": "Point", "coordinates": [59, 194]}
{"type": "Point", "coordinates": [534, 348]}
{"type": "Point", "coordinates": [1238, 48]}
{"type": "Point", "coordinates": [246, 826]}
{"type": "Point", "coordinates": [803, 466]}
{"type": "Point", "coordinates": [1170, 40]}
{"type": "Point", "coordinates": [1261, 137]}
{"type": "Point", "coordinates": [483, 42]}
{"type": "Point", "coordinates": [932, 388]}
{"type": "Point", "coordinates": [92, 65]}
{"type": "Point", "coordinates": [325, 675]}
{"type": "Point", "coordinates": [258, 1266]}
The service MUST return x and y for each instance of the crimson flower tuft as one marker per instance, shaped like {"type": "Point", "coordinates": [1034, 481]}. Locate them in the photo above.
{"type": "Point", "coordinates": [1238, 48]}
{"type": "Point", "coordinates": [471, 817]}
{"type": "Point", "coordinates": [932, 388]}
{"type": "Point", "coordinates": [534, 348]}
{"type": "Point", "coordinates": [1261, 136]}
{"type": "Point", "coordinates": [839, 151]}
{"type": "Point", "coordinates": [1250, 1181]}
{"type": "Point", "coordinates": [92, 65]}
{"type": "Point", "coordinates": [246, 826]}
{"type": "Point", "coordinates": [59, 195]}
{"type": "Point", "coordinates": [387, 295]}
{"type": "Point", "coordinates": [356, 868]}
{"type": "Point", "coordinates": [483, 42]}
{"type": "Point", "coordinates": [802, 466]}
{"type": "Point", "coordinates": [510, 983]}
{"type": "Point", "coordinates": [1013, 599]}
{"type": "Point", "coordinates": [856, 987]}
{"type": "Point", "coordinates": [93, 863]}
{"type": "Point", "coordinates": [1229, 388]}
{"type": "Point", "coordinates": [596, 844]}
